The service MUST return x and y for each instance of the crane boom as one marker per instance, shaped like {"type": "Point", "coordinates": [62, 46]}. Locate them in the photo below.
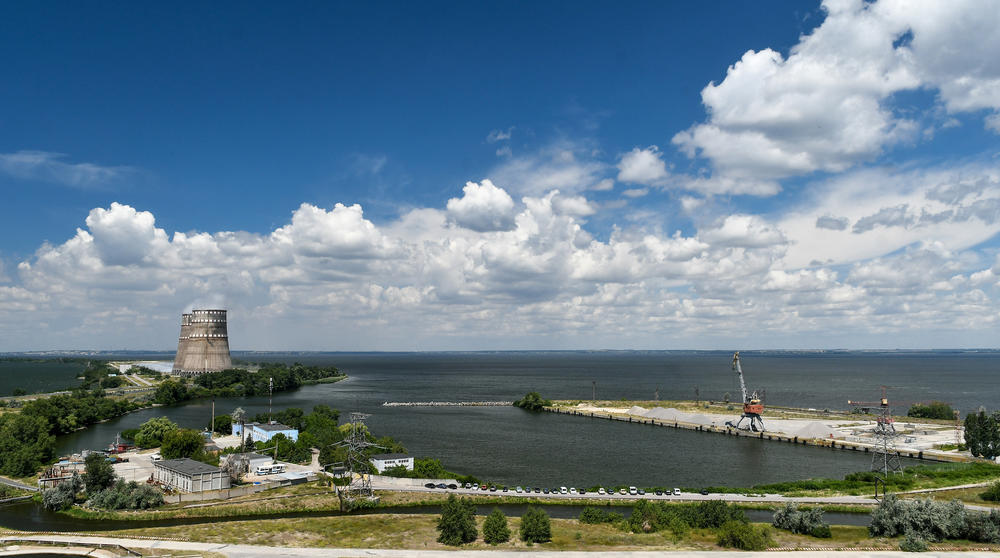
{"type": "Point", "coordinates": [739, 372]}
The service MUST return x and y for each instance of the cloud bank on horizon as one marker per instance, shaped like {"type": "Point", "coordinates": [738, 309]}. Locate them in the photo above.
{"type": "Point", "coordinates": [867, 252]}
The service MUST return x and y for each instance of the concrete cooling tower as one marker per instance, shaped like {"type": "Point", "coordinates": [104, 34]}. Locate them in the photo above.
{"type": "Point", "coordinates": [204, 343]}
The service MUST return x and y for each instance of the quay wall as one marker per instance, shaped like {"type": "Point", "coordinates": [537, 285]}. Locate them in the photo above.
{"type": "Point", "coordinates": [831, 443]}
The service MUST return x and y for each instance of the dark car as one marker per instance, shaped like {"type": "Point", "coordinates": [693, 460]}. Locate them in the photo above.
{"type": "Point", "coordinates": [642, 492]}
{"type": "Point", "coordinates": [430, 485]}
{"type": "Point", "coordinates": [704, 492]}
{"type": "Point", "coordinates": [493, 488]}
{"type": "Point", "coordinates": [538, 491]}
{"type": "Point", "coordinates": [545, 491]}
{"type": "Point", "coordinates": [505, 489]}
{"type": "Point", "coordinates": [582, 491]}
{"type": "Point", "coordinates": [453, 486]}
{"type": "Point", "coordinates": [659, 493]}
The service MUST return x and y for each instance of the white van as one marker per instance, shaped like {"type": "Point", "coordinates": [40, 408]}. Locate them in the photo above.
{"type": "Point", "coordinates": [633, 491]}
{"type": "Point", "coordinates": [563, 490]}
{"type": "Point", "coordinates": [677, 492]}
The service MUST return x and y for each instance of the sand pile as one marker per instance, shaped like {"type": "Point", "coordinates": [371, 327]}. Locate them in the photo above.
{"type": "Point", "coordinates": [670, 414]}
{"type": "Point", "coordinates": [815, 429]}
{"type": "Point", "coordinates": [637, 411]}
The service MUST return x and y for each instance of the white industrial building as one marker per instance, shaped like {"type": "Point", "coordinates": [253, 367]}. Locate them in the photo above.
{"type": "Point", "coordinates": [188, 475]}
{"type": "Point", "coordinates": [384, 461]}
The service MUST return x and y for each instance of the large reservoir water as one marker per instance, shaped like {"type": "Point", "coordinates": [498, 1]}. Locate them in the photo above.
{"type": "Point", "coordinates": [512, 446]}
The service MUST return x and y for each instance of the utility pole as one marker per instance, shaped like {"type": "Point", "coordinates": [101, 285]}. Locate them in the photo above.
{"type": "Point", "coordinates": [270, 392]}
{"type": "Point", "coordinates": [212, 432]}
{"type": "Point", "coordinates": [593, 396]}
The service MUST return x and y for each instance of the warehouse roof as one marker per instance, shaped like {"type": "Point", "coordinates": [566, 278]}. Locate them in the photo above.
{"type": "Point", "coordinates": [271, 427]}
{"type": "Point", "coordinates": [186, 466]}
{"type": "Point", "coordinates": [388, 456]}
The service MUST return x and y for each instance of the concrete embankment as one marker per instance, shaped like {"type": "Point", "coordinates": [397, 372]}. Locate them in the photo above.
{"type": "Point", "coordinates": [831, 443]}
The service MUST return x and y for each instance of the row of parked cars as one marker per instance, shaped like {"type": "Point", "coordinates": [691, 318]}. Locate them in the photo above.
{"type": "Point", "coordinates": [630, 491]}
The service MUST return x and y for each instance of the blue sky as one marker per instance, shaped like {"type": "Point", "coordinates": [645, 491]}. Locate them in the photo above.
{"type": "Point", "coordinates": [660, 175]}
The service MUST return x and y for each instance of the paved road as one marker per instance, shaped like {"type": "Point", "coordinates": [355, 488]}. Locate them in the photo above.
{"type": "Point", "coordinates": [252, 551]}
{"type": "Point", "coordinates": [15, 484]}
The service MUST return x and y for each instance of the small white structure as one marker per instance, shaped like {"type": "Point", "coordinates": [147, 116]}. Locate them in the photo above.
{"type": "Point", "coordinates": [188, 475]}
{"type": "Point", "coordinates": [249, 461]}
{"type": "Point", "coordinates": [384, 461]}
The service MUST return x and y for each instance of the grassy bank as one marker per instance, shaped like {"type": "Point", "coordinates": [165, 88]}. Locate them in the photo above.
{"type": "Point", "coordinates": [313, 498]}
{"type": "Point", "coordinates": [912, 478]}
{"type": "Point", "coordinates": [418, 532]}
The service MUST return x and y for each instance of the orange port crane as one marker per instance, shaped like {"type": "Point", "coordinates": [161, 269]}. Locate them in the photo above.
{"type": "Point", "coordinates": [752, 405]}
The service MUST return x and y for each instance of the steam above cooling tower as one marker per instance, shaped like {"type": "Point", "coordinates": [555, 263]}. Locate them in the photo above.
{"type": "Point", "coordinates": [204, 343]}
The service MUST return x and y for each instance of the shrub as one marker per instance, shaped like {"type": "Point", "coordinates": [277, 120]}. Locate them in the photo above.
{"type": "Point", "coordinates": [678, 527]}
{"type": "Point", "coordinates": [992, 493]}
{"type": "Point", "coordinates": [532, 402]}
{"type": "Point", "coordinates": [800, 522]}
{"type": "Point", "coordinates": [495, 529]}
{"type": "Point", "coordinates": [62, 496]}
{"type": "Point", "coordinates": [821, 531]}
{"type": "Point", "coordinates": [458, 522]}
{"type": "Point", "coordinates": [927, 519]}
{"type": "Point", "coordinates": [126, 496]}
{"type": "Point", "coordinates": [913, 543]}
{"type": "Point", "coordinates": [535, 526]}
{"type": "Point", "coordinates": [743, 536]}
{"type": "Point", "coordinates": [592, 515]}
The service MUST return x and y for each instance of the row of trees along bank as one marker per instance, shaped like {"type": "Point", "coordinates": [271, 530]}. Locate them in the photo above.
{"type": "Point", "coordinates": [238, 382]}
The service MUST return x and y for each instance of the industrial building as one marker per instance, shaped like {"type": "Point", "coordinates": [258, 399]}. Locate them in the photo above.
{"type": "Point", "coordinates": [384, 461]}
{"type": "Point", "coordinates": [188, 475]}
{"type": "Point", "coordinates": [203, 345]}
{"type": "Point", "coordinates": [264, 432]}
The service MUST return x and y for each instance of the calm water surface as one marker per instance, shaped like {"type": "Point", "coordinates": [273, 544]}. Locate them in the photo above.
{"type": "Point", "coordinates": [511, 446]}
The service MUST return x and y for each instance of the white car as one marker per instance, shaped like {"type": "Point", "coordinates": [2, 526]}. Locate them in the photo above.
{"type": "Point", "coordinates": [520, 490]}
{"type": "Point", "coordinates": [155, 457]}
{"type": "Point", "coordinates": [601, 491]}
{"type": "Point", "coordinates": [633, 491]}
{"type": "Point", "coordinates": [475, 486]}
{"type": "Point", "coordinates": [677, 492]}
{"type": "Point", "coordinates": [572, 490]}
{"type": "Point", "coordinates": [563, 490]}
{"type": "Point", "coordinates": [622, 491]}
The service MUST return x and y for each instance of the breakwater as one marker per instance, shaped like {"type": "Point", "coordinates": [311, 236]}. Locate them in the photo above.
{"type": "Point", "coordinates": [772, 436]}
{"type": "Point", "coordinates": [447, 403]}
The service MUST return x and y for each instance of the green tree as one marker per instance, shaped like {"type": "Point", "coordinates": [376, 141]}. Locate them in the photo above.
{"type": "Point", "coordinates": [535, 526]}
{"type": "Point", "coordinates": [182, 442]}
{"type": "Point", "coordinates": [151, 432]}
{"type": "Point", "coordinates": [532, 401]}
{"type": "Point", "coordinates": [170, 392]}
{"type": "Point", "coordinates": [98, 473]}
{"type": "Point", "coordinates": [458, 522]}
{"type": "Point", "coordinates": [932, 410]}
{"type": "Point", "coordinates": [224, 424]}
{"type": "Point", "coordinates": [25, 444]}
{"type": "Point", "coordinates": [982, 434]}
{"type": "Point", "coordinates": [495, 529]}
